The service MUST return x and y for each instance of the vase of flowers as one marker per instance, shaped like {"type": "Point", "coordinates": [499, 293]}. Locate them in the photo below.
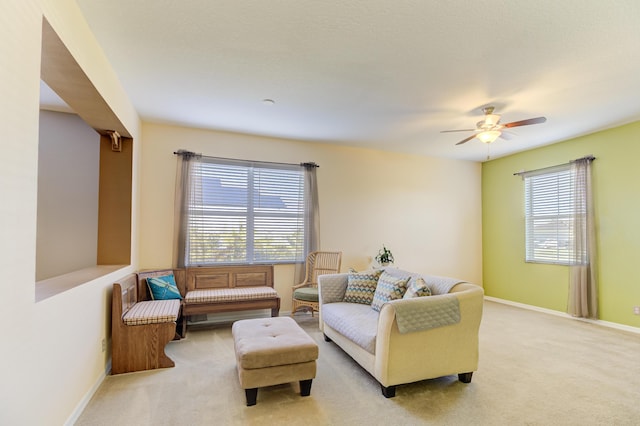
{"type": "Point", "coordinates": [384, 256]}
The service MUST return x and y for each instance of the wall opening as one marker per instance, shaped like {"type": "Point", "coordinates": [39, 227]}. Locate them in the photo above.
{"type": "Point", "coordinates": [84, 186]}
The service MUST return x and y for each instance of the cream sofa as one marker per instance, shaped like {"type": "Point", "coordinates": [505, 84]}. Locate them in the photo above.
{"type": "Point", "coordinates": [439, 332]}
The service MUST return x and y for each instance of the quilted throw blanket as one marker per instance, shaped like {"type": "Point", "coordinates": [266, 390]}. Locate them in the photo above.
{"type": "Point", "coordinates": [440, 311]}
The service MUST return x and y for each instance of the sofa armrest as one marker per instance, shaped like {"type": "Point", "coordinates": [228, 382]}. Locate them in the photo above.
{"type": "Point", "coordinates": [470, 299]}
{"type": "Point", "coordinates": [331, 287]}
{"type": "Point", "coordinates": [451, 349]}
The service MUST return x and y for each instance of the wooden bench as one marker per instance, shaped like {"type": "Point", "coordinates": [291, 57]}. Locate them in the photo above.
{"type": "Point", "coordinates": [140, 328]}
{"type": "Point", "coordinates": [179, 275]}
{"type": "Point", "coordinates": [214, 289]}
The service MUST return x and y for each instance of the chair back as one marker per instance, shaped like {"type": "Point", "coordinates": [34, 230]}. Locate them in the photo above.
{"type": "Point", "coordinates": [321, 263]}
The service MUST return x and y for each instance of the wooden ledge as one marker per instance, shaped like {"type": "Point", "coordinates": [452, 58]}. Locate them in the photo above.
{"type": "Point", "coordinates": [56, 285]}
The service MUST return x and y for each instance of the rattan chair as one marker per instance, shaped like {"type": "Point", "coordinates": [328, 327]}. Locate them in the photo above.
{"type": "Point", "coordinates": [305, 294]}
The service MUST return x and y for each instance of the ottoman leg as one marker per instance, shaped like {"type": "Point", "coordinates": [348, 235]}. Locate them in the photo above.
{"type": "Point", "coordinates": [305, 387]}
{"type": "Point", "coordinates": [252, 396]}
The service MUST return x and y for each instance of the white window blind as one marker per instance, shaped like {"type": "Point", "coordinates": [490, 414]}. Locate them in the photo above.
{"type": "Point", "coordinates": [244, 212]}
{"type": "Point", "coordinates": [549, 215]}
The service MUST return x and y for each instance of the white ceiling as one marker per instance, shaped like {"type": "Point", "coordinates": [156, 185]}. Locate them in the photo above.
{"type": "Point", "coordinates": [385, 74]}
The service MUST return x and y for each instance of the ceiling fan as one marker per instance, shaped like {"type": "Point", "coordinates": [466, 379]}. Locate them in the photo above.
{"type": "Point", "coordinates": [489, 129]}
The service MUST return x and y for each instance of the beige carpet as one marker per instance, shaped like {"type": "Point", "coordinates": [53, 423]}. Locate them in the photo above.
{"type": "Point", "coordinates": [535, 369]}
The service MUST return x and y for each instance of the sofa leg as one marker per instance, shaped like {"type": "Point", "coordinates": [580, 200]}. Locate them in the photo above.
{"type": "Point", "coordinates": [326, 338]}
{"type": "Point", "coordinates": [305, 387]}
{"type": "Point", "coordinates": [252, 396]}
{"type": "Point", "coordinates": [388, 391]}
{"type": "Point", "coordinates": [465, 377]}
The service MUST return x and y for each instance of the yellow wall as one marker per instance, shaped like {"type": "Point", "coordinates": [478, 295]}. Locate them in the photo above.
{"type": "Point", "coordinates": [51, 356]}
{"type": "Point", "coordinates": [616, 190]}
{"type": "Point", "coordinates": [426, 210]}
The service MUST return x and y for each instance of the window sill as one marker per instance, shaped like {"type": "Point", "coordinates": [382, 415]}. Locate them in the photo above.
{"type": "Point", "coordinates": [56, 285]}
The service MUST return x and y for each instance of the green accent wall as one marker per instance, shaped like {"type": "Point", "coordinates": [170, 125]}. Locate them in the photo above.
{"type": "Point", "coordinates": [616, 190]}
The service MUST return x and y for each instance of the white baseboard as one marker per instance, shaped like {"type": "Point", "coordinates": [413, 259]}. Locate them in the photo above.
{"type": "Point", "coordinates": [601, 323]}
{"type": "Point", "coordinates": [211, 318]}
{"type": "Point", "coordinates": [75, 414]}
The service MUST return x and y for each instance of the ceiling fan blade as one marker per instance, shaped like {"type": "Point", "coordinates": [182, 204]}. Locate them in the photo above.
{"type": "Point", "coordinates": [466, 140]}
{"type": "Point", "coordinates": [505, 136]}
{"type": "Point", "coordinates": [460, 130]}
{"type": "Point", "coordinates": [536, 120]}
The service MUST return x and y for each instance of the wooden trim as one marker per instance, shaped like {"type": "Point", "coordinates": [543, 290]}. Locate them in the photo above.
{"type": "Point", "coordinates": [114, 203]}
{"type": "Point", "coordinates": [233, 306]}
{"type": "Point", "coordinates": [212, 277]}
{"type": "Point", "coordinates": [62, 73]}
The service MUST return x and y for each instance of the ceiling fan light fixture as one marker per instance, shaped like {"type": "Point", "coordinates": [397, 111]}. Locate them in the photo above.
{"type": "Point", "coordinates": [489, 129]}
{"type": "Point", "coordinates": [491, 120]}
{"type": "Point", "coordinates": [489, 136]}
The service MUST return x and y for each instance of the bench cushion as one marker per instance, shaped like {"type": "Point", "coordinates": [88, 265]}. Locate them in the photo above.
{"type": "Point", "coordinates": [270, 342]}
{"type": "Point", "coordinates": [152, 312]}
{"type": "Point", "coordinates": [230, 294]}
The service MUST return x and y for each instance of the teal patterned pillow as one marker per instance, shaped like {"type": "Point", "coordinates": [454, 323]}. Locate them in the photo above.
{"type": "Point", "coordinates": [389, 288]}
{"type": "Point", "coordinates": [163, 288]}
{"type": "Point", "coordinates": [361, 286]}
{"type": "Point", "coordinates": [417, 288]}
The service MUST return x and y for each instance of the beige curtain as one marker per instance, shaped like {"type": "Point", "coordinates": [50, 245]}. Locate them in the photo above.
{"type": "Point", "coordinates": [311, 218]}
{"type": "Point", "coordinates": [583, 295]}
{"type": "Point", "coordinates": [183, 194]}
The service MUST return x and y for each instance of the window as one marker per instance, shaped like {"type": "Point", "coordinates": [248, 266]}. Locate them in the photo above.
{"type": "Point", "coordinates": [244, 212]}
{"type": "Point", "coordinates": [549, 215]}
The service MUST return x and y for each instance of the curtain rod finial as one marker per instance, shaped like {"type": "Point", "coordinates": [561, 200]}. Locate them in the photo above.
{"type": "Point", "coordinates": [309, 164]}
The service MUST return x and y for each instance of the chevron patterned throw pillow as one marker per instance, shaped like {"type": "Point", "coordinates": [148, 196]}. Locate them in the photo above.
{"type": "Point", "coordinates": [361, 287]}
{"type": "Point", "coordinates": [389, 288]}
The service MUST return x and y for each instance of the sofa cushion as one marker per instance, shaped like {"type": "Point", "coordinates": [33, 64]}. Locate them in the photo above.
{"type": "Point", "coordinates": [417, 288]}
{"type": "Point", "coordinates": [389, 288]}
{"type": "Point", "coordinates": [361, 287]}
{"type": "Point", "coordinates": [355, 321]}
{"type": "Point", "coordinates": [163, 288]}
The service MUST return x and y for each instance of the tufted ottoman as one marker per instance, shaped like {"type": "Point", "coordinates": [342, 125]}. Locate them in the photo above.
{"type": "Point", "coordinates": [272, 351]}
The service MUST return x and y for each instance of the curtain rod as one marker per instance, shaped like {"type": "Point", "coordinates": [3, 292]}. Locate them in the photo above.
{"type": "Point", "coordinates": [184, 152]}
{"type": "Point", "coordinates": [586, 157]}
